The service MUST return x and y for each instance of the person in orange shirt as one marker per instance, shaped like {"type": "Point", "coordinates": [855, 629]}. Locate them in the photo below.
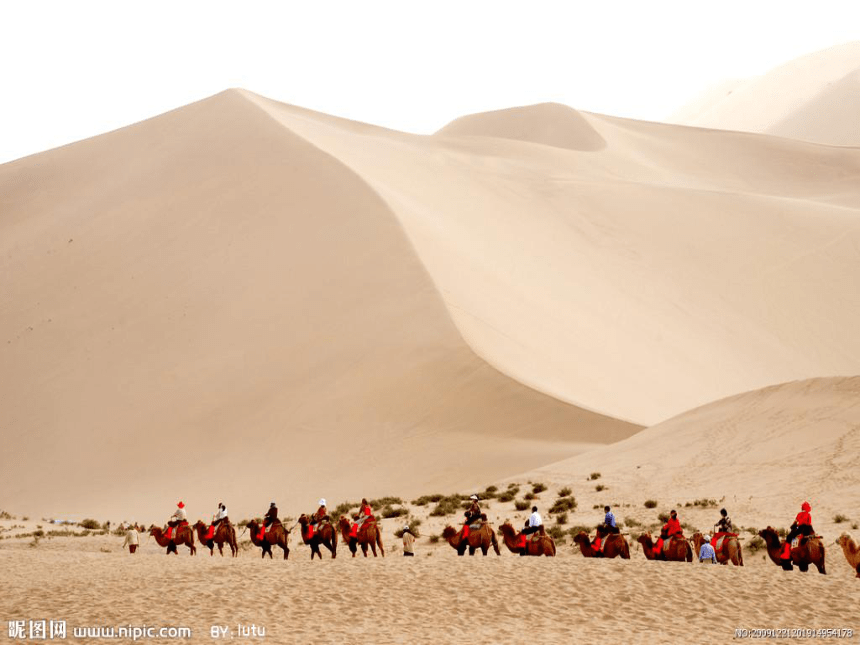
{"type": "Point", "coordinates": [802, 526]}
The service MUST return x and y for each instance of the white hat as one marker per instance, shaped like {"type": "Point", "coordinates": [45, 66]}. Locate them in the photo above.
{"type": "Point", "coordinates": [473, 497]}
{"type": "Point", "coordinates": [406, 528]}
{"type": "Point", "coordinates": [707, 538]}
{"type": "Point", "coordinates": [322, 501]}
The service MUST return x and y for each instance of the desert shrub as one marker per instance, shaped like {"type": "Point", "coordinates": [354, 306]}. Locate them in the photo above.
{"type": "Point", "coordinates": [839, 518]}
{"type": "Point", "coordinates": [435, 538]}
{"type": "Point", "coordinates": [556, 533]}
{"type": "Point", "coordinates": [705, 503]}
{"type": "Point", "coordinates": [447, 506]}
{"type": "Point", "coordinates": [574, 530]}
{"type": "Point", "coordinates": [530, 496]}
{"type": "Point", "coordinates": [491, 489]}
{"type": "Point", "coordinates": [538, 488]}
{"type": "Point", "coordinates": [427, 499]}
{"type": "Point", "coordinates": [663, 517]}
{"type": "Point", "coordinates": [490, 492]}
{"type": "Point", "coordinates": [599, 487]}
{"type": "Point", "coordinates": [594, 476]}
{"type": "Point", "coordinates": [755, 544]}
{"type": "Point", "coordinates": [521, 505]}
{"type": "Point", "coordinates": [855, 526]}
{"type": "Point", "coordinates": [564, 492]}
{"type": "Point", "coordinates": [650, 503]}
{"type": "Point", "coordinates": [25, 519]}
{"type": "Point", "coordinates": [509, 494]}
{"type": "Point", "coordinates": [561, 519]}
{"type": "Point", "coordinates": [39, 534]}
{"type": "Point", "coordinates": [781, 532]}
{"type": "Point", "coordinates": [90, 524]}
{"type": "Point", "coordinates": [513, 485]}
{"type": "Point", "coordinates": [382, 502]}
{"type": "Point", "coordinates": [342, 509]}
{"type": "Point", "coordinates": [632, 521]}
{"type": "Point", "coordinates": [5, 516]}
{"type": "Point", "coordinates": [563, 505]}
{"type": "Point", "coordinates": [389, 512]}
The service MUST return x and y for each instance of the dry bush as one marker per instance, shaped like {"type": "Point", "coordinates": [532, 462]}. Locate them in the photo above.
{"type": "Point", "coordinates": [650, 503]}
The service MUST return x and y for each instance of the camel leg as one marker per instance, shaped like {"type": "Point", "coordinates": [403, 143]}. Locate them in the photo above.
{"type": "Point", "coordinates": [379, 544]}
{"type": "Point", "coordinates": [803, 566]}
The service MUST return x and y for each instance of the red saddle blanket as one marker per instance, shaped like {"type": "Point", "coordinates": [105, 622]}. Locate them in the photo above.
{"type": "Point", "coordinates": [169, 533]}
{"type": "Point", "coordinates": [353, 530]}
{"type": "Point", "coordinates": [210, 533]}
{"type": "Point", "coordinates": [716, 541]}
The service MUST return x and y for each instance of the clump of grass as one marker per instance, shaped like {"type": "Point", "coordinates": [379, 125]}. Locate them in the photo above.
{"type": "Point", "coordinates": [594, 476]}
{"type": "Point", "coordinates": [705, 503]}
{"type": "Point", "coordinates": [562, 505]}
{"type": "Point", "coordinates": [90, 524]}
{"type": "Point", "coordinates": [343, 509]}
{"type": "Point", "coordinates": [561, 519]}
{"type": "Point", "coordinates": [5, 516]}
{"type": "Point", "coordinates": [521, 505]}
{"type": "Point", "coordinates": [513, 485]}
{"type": "Point", "coordinates": [447, 506]}
{"type": "Point", "coordinates": [575, 530]}
{"type": "Point", "coordinates": [25, 519]}
{"type": "Point", "coordinates": [631, 522]}
{"type": "Point", "coordinates": [599, 487]}
{"type": "Point", "coordinates": [413, 528]}
{"type": "Point", "coordinates": [839, 518]}
{"type": "Point", "coordinates": [427, 499]}
{"type": "Point", "coordinates": [382, 502]}
{"type": "Point", "coordinates": [650, 503]}
{"type": "Point", "coordinates": [855, 526]}
{"type": "Point", "coordinates": [490, 492]}
{"type": "Point", "coordinates": [538, 488]}
{"type": "Point", "coordinates": [435, 538]}
{"type": "Point", "coordinates": [530, 496]}
{"type": "Point", "coordinates": [509, 494]}
{"type": "Point", "coordinates": [564, 492]}
{"type": "Point", "coordinates": [556, 533]}
{"type": "Point", "coordinates": [755, 544]}
{"type": "Point", "coordinates": [389, 511]}
{"type": "Point", "coordinates": [663, 517]}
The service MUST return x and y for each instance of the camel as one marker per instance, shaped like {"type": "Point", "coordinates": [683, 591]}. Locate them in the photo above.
{"type": "Point", "coordinates": [368, 535]}
{"type": "Point", "coordinates": [729, 551]}
{"type": "Point", "coordinates": [223, 533]}
{"type": "Point", "coordinates": [324, 534]}
{"type": "Point", "coordinates": [615, 546]}
{"type": "Point", "coordinates": [679, 549]}
{"type": "Point", "coordinates": [482, 539]}
{"type": "Point", "coordinates": [276, 534]}
{"type": "Point", "coordinates": [810, 551]}
{"type": "Point", "coordinates": [183, 535]}
{"type": "Point", "coordinates": [851, 551]}
{"type": "Point", "coordinates": [545, 545]}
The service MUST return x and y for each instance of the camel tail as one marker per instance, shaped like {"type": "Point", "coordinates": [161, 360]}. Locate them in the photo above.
{"type": "Point", "coordinates": [495, 543]}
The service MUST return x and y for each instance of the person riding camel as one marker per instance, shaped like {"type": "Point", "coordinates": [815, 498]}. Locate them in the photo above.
{"type": "Point", "coordinates": [177, 519]}
{"type": "Point", "coordinates": [321, 514]}
{"type": "Point", "coordinates": [220, 515]}
{"type": "Point", "coordinates": [609, 525]}
{"type": "Point", "coordinates": [670, 528]}
{"type": "Point", "coordinates": [472, 514]}
{"type": "Point", "coordinates": [271, 516]}
{"type": "Point", "coordinates": [533, 525]}
{"type": "Point", "coordinates": [802, 525]}
{"type": "Point", "coordinates": [365, 512]}
{"type": "Point", "coordinates": [724, 524]}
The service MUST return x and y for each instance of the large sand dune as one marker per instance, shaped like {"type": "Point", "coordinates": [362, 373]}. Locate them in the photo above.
{"type": "Point", "coordinates": [241, 299]}
{"type": "Point", "coordinates": [813, 98]}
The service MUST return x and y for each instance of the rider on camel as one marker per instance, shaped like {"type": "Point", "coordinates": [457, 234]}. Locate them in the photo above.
{"type": "Point", "coordinates": [365, 512]}
{"type": "Point", "coordinates": [473, 514]}
{"type": "Point", "coordinates": [609, 525]}
{"type": "Point", "coordinates": [670, 528]}
{"type": "Point", "coordinates": [724, 524]}
{"type": "Point", "coordinates": [802, 526]}
{"type": "Point", "coordinates": [533, 525]}
{"type": "Point", "coordinates": [178, 518]}
{"type": "Point", "coordinates": [220, 515]}
{"type": "Point", "coordinates": [271, 516]}
{"type": "Point", "coordinates": [321, 514]}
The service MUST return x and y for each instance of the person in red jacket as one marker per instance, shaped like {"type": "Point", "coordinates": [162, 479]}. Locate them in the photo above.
{"type": "Point", "coordinates": [670, 528]}
{"type": "Point", "coordinates": [802, 526]}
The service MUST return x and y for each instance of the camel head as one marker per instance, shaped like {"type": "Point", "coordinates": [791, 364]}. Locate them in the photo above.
{"type": "Point", "coordinates": [844, 540]}
{"type": "Point", "coordinates": [303, 520]}
{"type": "Point", "coordinates": [449, 532]}
{"type": "Point", "coordinates": [343, 523]}
{"type": "Point", "coordinates": [507, 530]}
{"type": "Point", "coordinates": [645, 539]}
{"type": "Point", "coordinates": [769, 535]}
{"type": "Point", "coordinates": [199, 524]}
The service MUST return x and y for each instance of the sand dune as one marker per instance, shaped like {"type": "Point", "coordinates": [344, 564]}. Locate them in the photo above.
{"type": "Point", "coordinates": [812, 98]}
{"type": "Point", "coordinates": [205, 305]}
{"type": "Point", "coordinates": [330, 308]}
{"type": "Point", "coordinates": [762, 452]}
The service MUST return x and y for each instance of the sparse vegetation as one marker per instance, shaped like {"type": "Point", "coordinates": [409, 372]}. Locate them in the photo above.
{"type": "Point", "coordinates": [839, 518]}
{"type": "Point", "coordinates": [90, 524]}
{"type": "Point", "coordinates": [25, 519]}
{"type": "Point", "coordinates": [855, 526]}
{"type": "Point", "coordinates": [5, 516]}
{"type": "Point", "coordinates": [563, 505]}
{"type": "Point", "coordinates": [538, 488]}
{"type": "Point", "coordinates": [343, 509]}
{"type": "Point", "coordinates": [389, 512]}
{"type": "Point", "coordinates": [564, 492]}
{"type": "Point", "coordinates": [509, 494]}
{"type": "Point", "coordinates": [427, 499]}
{"type": "Point", "coordinates": [599, 487]}
{"type": "Point", "coordinates": [413, 528]}
{"type": "Point", "coordinates": [530, 496]}
{"type": "Point", "coordinates": [434, 538]}
{"type": "Point", "coordinates": [650, 503]}
{"type": "Point", "coordinates": [556, 533]}
{"type": "Point", "coordinates": [561, 519]}
{"type": "Point", "coordinates": [574, 530]}
{"type": "Point", "coordinates": [382, 502]}
{"type": "Point", "coordinates": [704, 503]}
{"type": "Point", "coordinates": [594, 476]}
{"type": "Point", "coordinates": [631, 522]}
{"type": "Point", "coordinates": [521, 505]}
{"type": "Point", "coordinates": [447, 505]}
{"type": "Point", "coordinates": [755, 544]}
{"type": "Point", "coordinates": [663, 517]}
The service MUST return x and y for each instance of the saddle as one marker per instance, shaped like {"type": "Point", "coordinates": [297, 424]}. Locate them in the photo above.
{"type": "Point", "coordinates": [262, 534]}
{"type": "Point", "coordinates": [525, 538]}
{"type": "Point", "coordinates": [719, 539]}
{"type": "Point", "coordinates": [169, 532]}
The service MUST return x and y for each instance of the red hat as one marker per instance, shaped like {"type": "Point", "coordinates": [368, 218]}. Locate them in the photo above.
{"type": "Point", "coordinates": [181, 505]}
{"type": "Point", "coordinates": [806, 507]}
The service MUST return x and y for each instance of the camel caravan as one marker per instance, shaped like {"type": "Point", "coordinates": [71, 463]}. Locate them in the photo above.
{"type": "Point", "coordinates": [801, 548]}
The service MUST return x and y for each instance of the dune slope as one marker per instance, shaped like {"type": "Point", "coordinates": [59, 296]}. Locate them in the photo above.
{"type": "Point", "coordinates": [206, 306]}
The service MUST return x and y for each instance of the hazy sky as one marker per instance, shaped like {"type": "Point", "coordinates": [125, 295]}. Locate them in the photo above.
{"type": "Point", "coordinates": [70, 70]}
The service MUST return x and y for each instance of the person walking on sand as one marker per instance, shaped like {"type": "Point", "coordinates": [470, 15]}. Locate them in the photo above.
{"type": "Point", "coordinates": [132, 541]}
{"type": "Point", "coordinates": [408, 542]}
{"type": "Point", "coordinates": [707, 553]}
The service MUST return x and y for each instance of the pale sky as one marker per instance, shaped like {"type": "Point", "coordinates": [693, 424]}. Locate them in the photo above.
{"type": "Point", "coordinates": [71, 70]}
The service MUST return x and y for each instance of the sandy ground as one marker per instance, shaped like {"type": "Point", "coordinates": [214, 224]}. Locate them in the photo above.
{"type": "Point", "coordinates": [435, 597]}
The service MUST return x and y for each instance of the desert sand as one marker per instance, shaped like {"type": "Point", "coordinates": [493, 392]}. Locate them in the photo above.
{"type": "Point", "coordinates": [245, 301]}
